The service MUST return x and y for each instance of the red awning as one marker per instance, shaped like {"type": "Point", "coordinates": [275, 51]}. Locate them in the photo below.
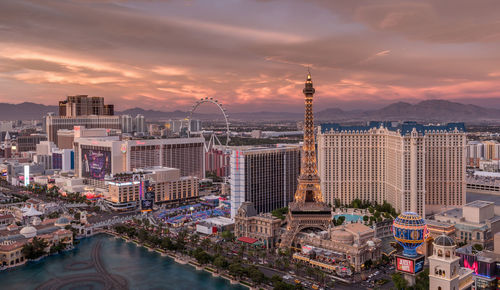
{"type": "Point", "coordinates": [247, 240]}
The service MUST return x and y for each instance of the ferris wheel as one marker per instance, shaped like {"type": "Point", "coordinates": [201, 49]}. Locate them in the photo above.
{"type": "Point", "coordinates": [214, 140]}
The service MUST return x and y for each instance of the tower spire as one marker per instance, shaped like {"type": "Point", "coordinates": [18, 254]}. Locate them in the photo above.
{"type": "Point", "coordinates": [309, 186]}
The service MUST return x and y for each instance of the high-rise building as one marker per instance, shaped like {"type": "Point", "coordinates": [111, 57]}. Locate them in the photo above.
{"type": "Point", "coordinates": [491, 149]}
{"type": "Point", "coordinates": [414, 167]}
{"type": "Point", "coordinates": [98, 157]}
{"type": "Point", "coordinates": [82, 105]}
{"type": "Point", "coordinates": [475, 153]}
{"type": "Point", "coordinates": [127, 124]}
{"type": "Point", "coordinates": [81, 110]}
{"type": "Point", "coordinates": [139, 124]}
{"type": "Point", "coordinates": [28, 142]}
{"type": "Point", "coordinates": [194, 125]}
{"type": "Point", "coordinates": [217, 161]}
{"type": "Point", "coordinates": [267, 177]}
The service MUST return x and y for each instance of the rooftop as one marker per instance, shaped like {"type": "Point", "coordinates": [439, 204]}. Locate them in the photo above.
{"type": "Point", "coordinates": [479, 203]}
{"type": "Point", "coordinates": [357, 228]}
{"type": "Point", "coordinates": [403, 128]}
{"type": "Point", "coordinates": [6, 216]}
{"type": "Point", "coordinates": [455, 213]}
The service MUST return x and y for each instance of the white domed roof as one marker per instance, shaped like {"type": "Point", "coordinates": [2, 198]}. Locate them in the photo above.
{"type": "Point", "coordinates": [28, 232]}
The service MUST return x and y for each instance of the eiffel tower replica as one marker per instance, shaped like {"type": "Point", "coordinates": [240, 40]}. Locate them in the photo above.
{"type": "Point", "coordinates": [308, 210]}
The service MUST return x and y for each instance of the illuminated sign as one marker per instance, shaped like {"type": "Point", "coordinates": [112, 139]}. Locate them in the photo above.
{"type": "Point", "coordinates": [96, 164]}
{"type": "Point", "coordinates": [26, 175]}
{"type": "Point", "coordinates": [123, 148]}
{"type": "Point", "coordinates": [404, 265]}
{"type": "Point", "coordinates": [149, 197]}
{"type": "Point", "coordinates": [410, 265]}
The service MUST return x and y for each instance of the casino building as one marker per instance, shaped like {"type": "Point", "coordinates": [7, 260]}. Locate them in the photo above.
{"type": "Point", "coordinates": [96, 158]}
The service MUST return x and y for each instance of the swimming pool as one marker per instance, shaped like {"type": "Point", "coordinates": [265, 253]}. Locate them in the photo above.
{"type": "Point", "coordinates": [349, 217]}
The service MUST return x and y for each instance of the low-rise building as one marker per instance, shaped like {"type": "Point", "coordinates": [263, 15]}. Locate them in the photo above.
{"type": "Point", "coordinates": [215, 225]}
{"type": "Point", "coordinates": [14, 238]}
{"type": "Point", "coordinates": [355, 242]}
{"type": "Point", "coordinates": [435, 229]}
{"type": "Point", "coordinates": [6, 220]}
{"type": "Point", "coordinates": [263, 227]}
{"type": "Point", "coordinates": [483, 265]}
{"type": "Point", "coordinates": [475, 223]}
{"type": "Point", "coordinates": [11, 254]}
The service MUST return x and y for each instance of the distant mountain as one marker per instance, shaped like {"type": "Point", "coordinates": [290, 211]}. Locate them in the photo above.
{"type": "Point", "coordinates": [433, 110]}
{"type": "Point", "coordinates": [25, 111]}
{"type": "Point", "coordinates": [425, 111]}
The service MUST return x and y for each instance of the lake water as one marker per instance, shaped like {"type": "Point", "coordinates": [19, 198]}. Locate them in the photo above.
{"type": "Point", "coordinates": [120, 262]}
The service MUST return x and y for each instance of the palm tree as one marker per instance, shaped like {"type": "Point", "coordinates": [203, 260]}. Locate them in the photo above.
{"type": "Point", "coordinates": [194, 239]}
{"type": "Point", "coordinates": [206, 244]}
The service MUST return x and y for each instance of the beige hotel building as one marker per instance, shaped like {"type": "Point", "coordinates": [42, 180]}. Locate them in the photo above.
{"type": "Point", "coordinates": [414, 167]}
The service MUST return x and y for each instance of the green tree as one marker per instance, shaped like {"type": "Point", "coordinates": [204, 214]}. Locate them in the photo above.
{"type": "Point", "coordinates": [195, 238]}
{"type": "Point", "coordinates": [166, 243]}
{"type": "Point", "coordinates": [35, 249]}
{"type": "Point", "coordinates": [422, 281]}
{"type": "Point", "coordinates": [365, 218]}
{"type": "Point", "coordinates": [201, 256]}
{"type": "Point", "coordinates": [280, 212]}
{"type": "Point", "coordinates": [220, 263]}
{"type": "Point", "coordinates": [255, 274]}
{"type": "Point", "coordinates": [227, 236]}
{"type": "Point", "coordinates": [477, 247]}
{"type": "Point", "coordinates": [399, 281]}
{"type": "Point", "coordinates": [236, 270]}
{"type": "Point", "coordinates": [206, 243]}
{"type": "Point", "coordinates": [143, 235]}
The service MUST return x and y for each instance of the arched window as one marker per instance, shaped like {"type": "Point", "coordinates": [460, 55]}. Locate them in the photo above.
{"type": "Point", "coordinates": [447, 254]}
{"type": "Point", "coordinates": [439, 288]}
{"type": "Point", "coordinates": [440, 253]}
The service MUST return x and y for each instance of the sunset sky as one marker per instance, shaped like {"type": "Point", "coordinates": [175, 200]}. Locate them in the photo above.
{"type": "Point", "coordinates": [251, 55]}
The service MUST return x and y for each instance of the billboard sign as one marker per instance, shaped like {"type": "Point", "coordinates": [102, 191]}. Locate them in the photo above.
{"type": "Point", "coordinates": [96, 163]}
{"type": "Point", "coordinates": [405, 265]}
{"type": "Point", "coordinates": [410, 265]}
{"type": "Point", "coordinates": [419, 264]}
{"type": "Point", "coordinates": [149, 197]}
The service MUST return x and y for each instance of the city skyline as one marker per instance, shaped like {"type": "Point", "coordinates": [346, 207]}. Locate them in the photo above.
{"type": "Point", "coordinates": [166, 55]}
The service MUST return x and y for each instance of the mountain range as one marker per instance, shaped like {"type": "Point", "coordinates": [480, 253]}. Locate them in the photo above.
{"type": "Point", "coordinates": [426, 111]}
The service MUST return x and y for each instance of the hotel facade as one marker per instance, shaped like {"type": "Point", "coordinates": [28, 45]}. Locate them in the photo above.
{"type": "Point", "coordinates": [414, 167]}
{"type": "Point", "coordinates": [167, 184]}
{"type": "Point", "coordinates": [97, 157]}
{"type": "Point", "coordinates": [267, 177]}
